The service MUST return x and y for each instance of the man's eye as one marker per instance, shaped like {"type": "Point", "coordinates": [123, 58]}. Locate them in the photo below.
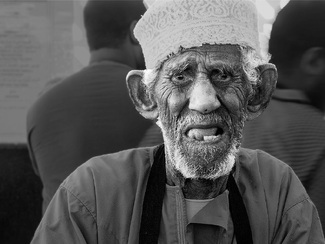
{"type": "Point", "coordinates": [220, 75]}
{"type": "Point", "coordinates": [180, 79]}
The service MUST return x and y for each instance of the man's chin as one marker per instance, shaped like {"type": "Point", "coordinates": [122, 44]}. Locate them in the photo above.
{"type": "Point", "coordinates": [206, 164]}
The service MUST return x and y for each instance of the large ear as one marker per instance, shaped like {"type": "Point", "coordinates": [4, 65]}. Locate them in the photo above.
{"type": "Point", "coordinates": [262, 91]}
{"type": "Point", "coordinates": [140, 95]}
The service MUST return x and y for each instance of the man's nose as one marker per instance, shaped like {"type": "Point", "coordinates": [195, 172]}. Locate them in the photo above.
{"type": "Point", "coordinates": [203, 98]}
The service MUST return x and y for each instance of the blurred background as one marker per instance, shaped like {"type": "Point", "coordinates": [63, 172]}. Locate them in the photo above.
{"type": "Point", "coordinates": [40, 43]}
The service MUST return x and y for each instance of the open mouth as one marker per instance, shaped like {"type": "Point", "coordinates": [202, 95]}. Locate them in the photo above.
{"type": "Point", "coordinates": [210, 134]}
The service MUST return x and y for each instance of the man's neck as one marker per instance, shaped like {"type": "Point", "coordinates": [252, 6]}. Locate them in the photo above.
{"type": "Point", "coordinates": [314, 92]}
{"type": "Point", "coordinates": [204, 189]}
{"type": "Point", "coordinates": [197, 188]}
{"type": "Point", "coordinates": [107, 54]}
{"type": "Point", "coordinates": [317, 100]}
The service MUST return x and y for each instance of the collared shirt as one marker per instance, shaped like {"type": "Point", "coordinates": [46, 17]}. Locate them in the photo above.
{"type": "Point", "coordinates": [293, 130]}
{"type": "Point", "coordinates": [211, 223]}
{"type": "Point", "coordinates": [101, 202]}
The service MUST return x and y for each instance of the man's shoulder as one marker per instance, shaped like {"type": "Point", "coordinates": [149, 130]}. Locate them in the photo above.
{"type": "Point", "coordinates": [261, 172]}
{"type": "Point", "coordinates": [122, 162]}
{"type": "Point", "coordinates": [270, 188]}
{"type": "Point", "coordinates": [261, 168]}
{"type": "Point", "coordinates": [103, 183]}
{"type": "Point", "coordinates": [259, 158]}
{"type": "Point", "coordinates": [108, 171]}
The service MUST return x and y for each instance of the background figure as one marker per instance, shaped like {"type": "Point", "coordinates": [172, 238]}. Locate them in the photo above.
{"type": "Point", "coordinates": [90, 113]}
{"type": "Point", "coordinates": [293, 128]}
{"type": "Point", "coordinates": [50, 84]}
{"type": "Point", "coordinates": [152, 136]}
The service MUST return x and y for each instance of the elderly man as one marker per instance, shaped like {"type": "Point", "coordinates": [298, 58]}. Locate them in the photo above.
{"type": "Point", "coordinates": [205, 77]}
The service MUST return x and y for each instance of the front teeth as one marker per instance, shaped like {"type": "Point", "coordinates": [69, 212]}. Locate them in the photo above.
{"type": "Point", "coordinates": [199, 134]}
{"type": "Point", "coordinates": [204, 138]}
{"type": "Point", "coordinates": [210, 138]}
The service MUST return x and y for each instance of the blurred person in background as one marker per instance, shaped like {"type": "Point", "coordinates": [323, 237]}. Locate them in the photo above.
{"type": "Point", "coordinates": [50, 84]}
{"type": "Point", "coordinates": [89, 113]}
{"type": "Point", "coordinates": [293, 128]}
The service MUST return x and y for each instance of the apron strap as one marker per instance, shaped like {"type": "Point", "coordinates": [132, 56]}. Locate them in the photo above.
{"type": "Point", "coordinates": [238, 213]}
{"type": "Point", "coordinates": [153, 201]}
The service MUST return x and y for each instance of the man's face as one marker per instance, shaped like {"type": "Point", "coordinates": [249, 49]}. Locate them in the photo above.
{"type": "Point", "coordinates": [202, 96]}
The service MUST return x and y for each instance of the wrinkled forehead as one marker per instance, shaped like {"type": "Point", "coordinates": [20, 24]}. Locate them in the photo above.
{"type": "Point", "coordinates": [206, 55]}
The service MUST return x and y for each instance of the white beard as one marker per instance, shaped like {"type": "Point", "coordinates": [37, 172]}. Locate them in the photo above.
{"type": "Point", "coordinates": [192, 169]}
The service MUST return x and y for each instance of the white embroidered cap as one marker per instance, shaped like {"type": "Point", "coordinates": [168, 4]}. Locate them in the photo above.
{"type": "Point", "coordinates": [168, 25]}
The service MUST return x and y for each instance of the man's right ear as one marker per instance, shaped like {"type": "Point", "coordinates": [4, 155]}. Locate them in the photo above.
{"type": "Point", "coordinates": [140, 95]}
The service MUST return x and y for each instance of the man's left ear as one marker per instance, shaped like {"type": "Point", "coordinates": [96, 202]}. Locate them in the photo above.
{"type": "Point", "coordinates": [262, 91]}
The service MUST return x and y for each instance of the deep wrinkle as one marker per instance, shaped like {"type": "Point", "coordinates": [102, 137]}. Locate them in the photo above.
{"type": "Point", "coordinates": [221, 71]}
{"type": "Point", "coordinates": [235, 71]}
{"type": "Point", "coordinates": [189, 67]}
{"type": "Point", "coordinates": [190, 58]}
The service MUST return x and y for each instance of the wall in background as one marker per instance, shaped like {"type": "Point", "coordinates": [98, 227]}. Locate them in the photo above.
{"type": "Point", "coordinates": [42, 41]}
{"type": "Point", "coordinates": [36, 45]}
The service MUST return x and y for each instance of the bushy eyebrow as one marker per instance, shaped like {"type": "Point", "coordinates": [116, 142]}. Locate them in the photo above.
{"type": "Point", "coordinates": [180, 66]}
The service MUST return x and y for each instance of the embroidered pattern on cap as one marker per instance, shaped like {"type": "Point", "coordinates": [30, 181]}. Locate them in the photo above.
{"type": "Point", "coordinates": [170, 24]}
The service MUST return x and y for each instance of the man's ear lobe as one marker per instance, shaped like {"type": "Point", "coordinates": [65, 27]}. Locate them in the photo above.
{"type": "Point", "coordinates": [262, 91]}
{"type": "Point", "coordinates": [142, 98]}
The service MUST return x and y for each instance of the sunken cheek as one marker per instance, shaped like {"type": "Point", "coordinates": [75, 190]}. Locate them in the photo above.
{"type": "Point", "coordinates": [177, 102]}
{"type": "Point", "coordinates": [233, 101]}
{"type": "Point", "coordinates": [172, 99]}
